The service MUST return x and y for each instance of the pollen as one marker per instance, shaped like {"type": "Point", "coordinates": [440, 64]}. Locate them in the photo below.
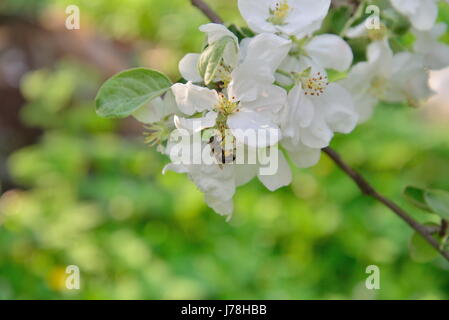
{"type": "Point", "coordinates": [315, 85]}
{"type": "Point", "coordinates": [227, 106]}
{"type": "Point", "coordinates": [279, 13]}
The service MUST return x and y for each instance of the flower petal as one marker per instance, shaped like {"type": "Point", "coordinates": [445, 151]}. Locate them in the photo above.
{"type": "Point", "coordinates": [157, 109]}
{"type": "Point", "coordinates": [282, 177]}
{"type": "Point", "coordinates": [256, 14]}
{"type": "Point", "coordinates": [216, 31]}
{"type": "Point", "coordinates": [196, 125]}
{"type": "Point", "coordinates": [305, 17]}
{"type": "Point", "coordinates": [253, 129]}
{"type": "Point", "coordinates": [270, 99]}
{"type": "Point", "coordinates": [330, 52]}
{"type": "Point", "coordinates": [222, 207]}
{"type": "Point", "coordinates": [188, 67]}
{"type": "Point", "coordinates": [266, 51]}
{"type": "Point", "coordinates": [191, 98]}
{"type": "Point", "coordinates": [301, 155]}
{"type": "Point", "coordinates": [339, 108]}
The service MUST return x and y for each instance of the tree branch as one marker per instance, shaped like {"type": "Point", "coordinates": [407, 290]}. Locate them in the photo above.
{"type": "Point", "coordinates": [364, 185]}
{"type": "Point", "coordinates": [207, 11]}
{"type": "Point", "coordinates": [368, 190]}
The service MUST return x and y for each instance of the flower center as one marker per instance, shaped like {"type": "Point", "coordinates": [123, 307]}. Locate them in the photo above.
{"type": "Point", "coordinates": [377, 33]}
{"type": "Point", "coordinates": [378, 86]}
{"type": "Point", "coordinates": [314, 85]}
{"type": "Point", "coordinates": [227, 106]}
{"type": "Point", "coordinates": [279, 13]}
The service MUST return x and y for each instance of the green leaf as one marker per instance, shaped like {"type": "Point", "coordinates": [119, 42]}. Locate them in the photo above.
{"type": "Point", "coordinates": [129, 90]}
{"type": "Point", "coordinates": [416, 197]}
{"type": "Point", "coordinates": [421, 250]}
{"type": "Point", "coordinates": [438, 201]}
{"type": "Point", "coordinates": [212, 57]}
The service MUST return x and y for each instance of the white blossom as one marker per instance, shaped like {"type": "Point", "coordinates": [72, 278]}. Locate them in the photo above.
{"type": "Point", "coordinates": [297, 18]}
{"type": "Point", "coordinates": [436, 54]}
{"type": "Point", "coordinates": [387, 77]}
{"type": "Point", "coordinates": [421, 13]}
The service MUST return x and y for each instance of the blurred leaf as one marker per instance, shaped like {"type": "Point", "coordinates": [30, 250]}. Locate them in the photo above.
{"type": "Point", "coordinates": [438, 201]}
{"type": "Point", "coordinates": [421, 250]}
{"type": "Point", "coordinates": [127, 91]}
{"type": "Point", "coordinates": [212, 57]}
{"type": "Point", "coordinates": [416, 197]}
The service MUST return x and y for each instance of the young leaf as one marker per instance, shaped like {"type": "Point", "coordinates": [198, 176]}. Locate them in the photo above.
{"type": "Point", "coordinates": [127, 91]}
{"type": "Point", "coordinates": [421, 250]}
{"type": "Point", "coordinates": [416, 197]}
{"type": "Point", "coordinates": [212, 57]}
{"type": "Point", "coordinates": [438, 201]}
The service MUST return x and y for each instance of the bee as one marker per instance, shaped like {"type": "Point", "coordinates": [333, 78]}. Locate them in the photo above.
{"type": "Point", "coordinates": [222, 155]}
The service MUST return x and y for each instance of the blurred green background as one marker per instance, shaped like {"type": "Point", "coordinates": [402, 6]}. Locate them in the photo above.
{"type": "Point", "coordinates": [80, 190]}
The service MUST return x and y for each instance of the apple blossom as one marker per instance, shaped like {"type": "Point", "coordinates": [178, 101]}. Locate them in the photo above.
{"type": "Point", "coordinates": [387, 77]}
{"type": "Point", "coordinates": [269, 95]}
{"type": "Point", "coordinates": [436, 54]}
{"type": "Point", "coordinates": [297, 18]}
{"type": "Point", "coordinates": [422, 13]}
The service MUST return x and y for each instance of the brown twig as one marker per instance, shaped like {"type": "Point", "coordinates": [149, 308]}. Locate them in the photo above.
{"type": "Point", "coordinates": [364, 185]}
{"type": "Point", "coordinates": [368, 190]}
{"type": "Point", "coordinates": [207, 11]}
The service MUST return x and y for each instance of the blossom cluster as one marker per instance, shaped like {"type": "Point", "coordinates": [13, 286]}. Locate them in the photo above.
{"type": "Point", "coordinates": [269, 94]}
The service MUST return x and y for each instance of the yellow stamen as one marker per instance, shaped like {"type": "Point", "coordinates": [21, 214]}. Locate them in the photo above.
{"type": "Point", "coordinates": [227, 106]}
{"type": "Point", "coordinates": [315, 85]}
{"type": "Point", "coordinates": [279, 13]}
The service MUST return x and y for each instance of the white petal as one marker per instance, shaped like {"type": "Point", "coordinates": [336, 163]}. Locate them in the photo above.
{"type": "Point", "coordinates": [268, 51]}
{"type": "Point", "coordinates": [270, 98]}
{"type": "Point", "coordinates": [196, 125]}
{"type": "Point", "coordinates": [357, 31]}
{"type": "Point", "coordinates": [188, 67]}
{"type": "Point", "coordinates": [214, 181]}
{"type": "Point", "coordinates": [178, 168]}
{"type": "Point", "coordinates": [244, 173]}
{"type": "Point", "coordinates": [424, 18]}
{"type": "Point", "coordinates": [364, 106]}
{"type": "Point", "coordinates": [330, 51]}
{"type": "Point", "coordinates": [256, 14]}
{"type": "Point", "coordinates": [301, 155]}
{"type": "Point", "coordinates": [436, 54]}
{"type": "Point", "coordinates": [222, 207]}
{"type": "Point", "coordinates": [254, 129]}
{"type": "Point", "coordinates": [318, 134]}
{"type": "Point", "coordinates": [216, 31]}
{"type": "Point", "coordinates": [422, 13]}
{"type": "Point", "coordinates": [305, 17]}
{"type": "Point", "coordinates": [245, 85]}
{"type": "Point", "coordinates": [380, 56]}
{"type": "Point", "coordinates": [406, 7]}
{"type": "Point", "coordinates": [298, 114]}
{"type": "Point", "coordinates": [191, 98]}
{"type": "Point", "coordinates": [157, 109]}
{"type": "Point", "coordinates": [282, 178]}
{"type": "Point", "coordinates": [339, 108]}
